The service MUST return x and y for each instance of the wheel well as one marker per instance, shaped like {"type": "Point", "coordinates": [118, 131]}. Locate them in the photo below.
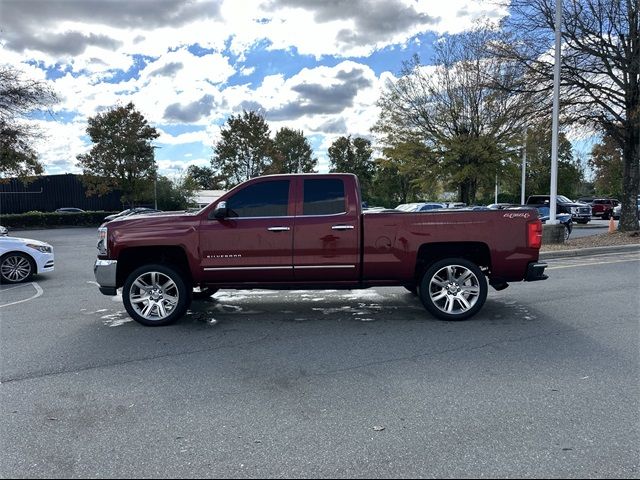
{"type": "Point", "coordinates": [132, 258]}
{"type": "Point", "coordinates": [429, 253]}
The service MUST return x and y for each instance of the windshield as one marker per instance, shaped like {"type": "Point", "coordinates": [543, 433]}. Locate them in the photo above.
{"type": "Point", "coordinates": [563, 199]}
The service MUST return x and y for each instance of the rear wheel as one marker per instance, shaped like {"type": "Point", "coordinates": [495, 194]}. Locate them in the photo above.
{"type": "Point", "coordinates": [155, 295]}
{"type": "Point", "coordinates": [16, 267]}
{"type": "Point", "coordinates": [453, 289]}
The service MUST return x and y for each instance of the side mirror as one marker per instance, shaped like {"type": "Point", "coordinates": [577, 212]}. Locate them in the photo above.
{"type": "Point", "coordinates": [221, 211]}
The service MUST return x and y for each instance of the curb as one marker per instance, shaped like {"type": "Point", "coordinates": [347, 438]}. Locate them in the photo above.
{"type": "Point", "coordinates": [589, 251]}
{"type": "Point", "coordinates": [583, 227]}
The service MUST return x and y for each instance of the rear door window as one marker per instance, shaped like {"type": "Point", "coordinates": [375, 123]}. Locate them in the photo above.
{"type": "Point", "coordinates": [324, 196]}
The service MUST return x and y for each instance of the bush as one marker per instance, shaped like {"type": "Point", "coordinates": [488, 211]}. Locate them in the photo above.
{"type": "Point", "coordinates": [53, 219]}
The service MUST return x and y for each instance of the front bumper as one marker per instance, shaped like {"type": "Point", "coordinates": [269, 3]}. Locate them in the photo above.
{"type": "Point", "coordinates": [535, 272]}
{"type": "Point", "coordinates": [45, 262]}
{"type": "Point", "coordinates": [105, 273]}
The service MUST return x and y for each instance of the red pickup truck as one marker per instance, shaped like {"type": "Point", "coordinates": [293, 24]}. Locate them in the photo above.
{"type": "Point", "coordinates": [308, 231]}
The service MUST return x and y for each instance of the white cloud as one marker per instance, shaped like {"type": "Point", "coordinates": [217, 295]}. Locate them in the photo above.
{"type": "Point", "coordinates": [97, 42]}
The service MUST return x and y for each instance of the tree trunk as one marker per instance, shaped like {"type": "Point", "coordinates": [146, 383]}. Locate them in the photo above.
{"type": "Point", "coordinates": [630, 177]}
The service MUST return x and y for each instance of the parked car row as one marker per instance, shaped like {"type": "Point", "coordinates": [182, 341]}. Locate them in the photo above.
{"type": "Point", "coordinates": [131, 211]}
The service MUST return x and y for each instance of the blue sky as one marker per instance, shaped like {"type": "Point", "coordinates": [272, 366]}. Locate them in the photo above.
{"type": "Point", "coordinates": [316, 66]}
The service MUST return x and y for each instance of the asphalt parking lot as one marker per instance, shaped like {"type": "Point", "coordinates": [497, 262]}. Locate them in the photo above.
{"type": "Point", "coordinates": [542, 383]}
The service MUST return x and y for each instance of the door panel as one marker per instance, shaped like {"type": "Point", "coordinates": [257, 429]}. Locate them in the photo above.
{"type": "Point", "coordinates": [326, 235]}
{"type": "Point", "coordinates": [247, 250]}
{"type": "Point", "coordinates": [254, 243]}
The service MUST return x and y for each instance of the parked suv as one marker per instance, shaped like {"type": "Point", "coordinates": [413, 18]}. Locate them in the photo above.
{"type": "Point", "coordinates": [603, 207]}
{"type": "Point", "coordinates": [580, 212]}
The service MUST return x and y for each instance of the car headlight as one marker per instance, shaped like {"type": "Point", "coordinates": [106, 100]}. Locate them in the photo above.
{"type": "Point", "coordinates": [574, 209]}
{"type": "Point", "coordinates": [40, 248]}
{"type": "Point", "coordinates": [102, 240]}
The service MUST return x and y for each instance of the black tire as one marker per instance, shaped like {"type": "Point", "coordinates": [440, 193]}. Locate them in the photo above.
{"type": "Point", "coordinates": [16, 267]}
{"type": "Point", "coordinates": [203, 293]}
{"type": "Point", "coordinates": [453, 289]}
{"type": "Point", "coordinates": [167, 297]}
{"type": "Point", "coordinates": [567, 233]}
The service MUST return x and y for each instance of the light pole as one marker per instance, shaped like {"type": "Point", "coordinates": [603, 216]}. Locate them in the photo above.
{"type": "Point", "coordinates": [524, 168]}
{"type": "Point", "coordinates": [556, 114]}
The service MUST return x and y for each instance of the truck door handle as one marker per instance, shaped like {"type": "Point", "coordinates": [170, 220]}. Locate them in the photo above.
{"type": "Point", "coordinates": [278, 229]}
{"type": "Point", "coordinates": [342, 227]}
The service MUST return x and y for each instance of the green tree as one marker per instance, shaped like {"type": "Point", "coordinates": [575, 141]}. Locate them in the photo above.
{"type": "Point", "coordinates": [472, 128]}
{"type": "Point", "coordinates": [600, 72]}
{"type": "Point", "coordinates": [353, 156]}
{"type": "Point", "coordinates": [538, 168]}
{"type": "Point", "coordinates": [122, 156]}
{"type": "Point", "coordinates": [608, 166]}
{"type": "Point", "coordinates": [204, 177]}
{"type": "Point", "coordinates": [176, 194]}
{"type": "Point", "coordinates": [292, 153]}
{"type": "Point", "coordinates": [402, 175]}
{"type": "Point", "coordinates": [18, 97]}
{"type": "Point", "coordinates": [245, 149]}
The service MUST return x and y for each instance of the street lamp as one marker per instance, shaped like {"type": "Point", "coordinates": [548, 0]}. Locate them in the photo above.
{"type": "Point", "coordinates": [556, 114]}
{"type": "Point", "coordinates": [524, 169]}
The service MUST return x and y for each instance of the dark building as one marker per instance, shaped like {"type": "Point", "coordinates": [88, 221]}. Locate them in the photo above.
{"type": "Point", "coordinates": [48, 192]}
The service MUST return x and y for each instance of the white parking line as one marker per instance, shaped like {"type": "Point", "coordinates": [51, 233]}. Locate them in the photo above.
{"type": "Point", "coordinates": [38, 293]}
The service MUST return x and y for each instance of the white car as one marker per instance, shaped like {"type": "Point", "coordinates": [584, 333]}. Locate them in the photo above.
{"type": "Point", "coordinates": [618, 209]}
{"type": "Point", "coordinates": [4, 231]}
{"type": "Point", "coordinates": [22, 258]}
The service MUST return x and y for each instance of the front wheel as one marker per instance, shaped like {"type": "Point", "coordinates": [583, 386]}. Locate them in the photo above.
{"type": "Point", "coordinates": [453, 289]}
{"type": "Point", "coordinates": [155, 295]}
{"type": "Point", "coordinates": [16, 267]}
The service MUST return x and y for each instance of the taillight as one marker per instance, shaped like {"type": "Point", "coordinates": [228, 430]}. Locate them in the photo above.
{"type": "Point", "coordinates": [534, 234]}
{"type": "Point", "coordinates": [102, 241]}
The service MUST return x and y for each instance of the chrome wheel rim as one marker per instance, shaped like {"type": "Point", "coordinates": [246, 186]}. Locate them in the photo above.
{"type": "Point", "coordinates": [454, 289]}
{"type": "Point", "coordinates": [15, 268]}
{"type": "Point", "coordinates": [154, 296]}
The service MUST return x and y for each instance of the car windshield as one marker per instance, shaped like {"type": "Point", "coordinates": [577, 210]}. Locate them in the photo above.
{"type": "Point", "coordinates": [563, 199]}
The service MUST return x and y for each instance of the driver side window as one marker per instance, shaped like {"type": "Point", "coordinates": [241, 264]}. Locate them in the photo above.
{"type": "Point", "coordinates": [264, 199]}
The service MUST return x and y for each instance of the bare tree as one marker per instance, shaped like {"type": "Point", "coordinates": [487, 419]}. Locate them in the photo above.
{"type": "Point", "coordinates": [18, 97]}
{"type": "Point", "coordinates": [473, 128]}
{"type": "Point", "coordinates": [600, 71]}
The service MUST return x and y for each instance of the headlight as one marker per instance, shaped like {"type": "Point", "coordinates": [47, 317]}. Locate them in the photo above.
{"type": "Point", "coordinates": [102, 240]}
{"type": "Point", "coordinates": [574, 209]}
{"type": "Point", "coordinates": [40, 248]}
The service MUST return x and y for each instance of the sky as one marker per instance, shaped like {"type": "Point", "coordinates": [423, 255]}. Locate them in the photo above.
{"type": "Point", "coordinates": [313, 65]}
